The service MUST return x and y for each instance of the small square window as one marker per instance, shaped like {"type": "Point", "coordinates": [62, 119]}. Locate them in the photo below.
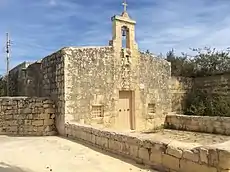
{"type": "Point", "coordinates": [152, 108]}
{"type": "Point", "coordinates": [97, 111]}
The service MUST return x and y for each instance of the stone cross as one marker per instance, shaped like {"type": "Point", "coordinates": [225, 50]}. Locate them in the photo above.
{"type": "Point", "coordinates": [125, 5]}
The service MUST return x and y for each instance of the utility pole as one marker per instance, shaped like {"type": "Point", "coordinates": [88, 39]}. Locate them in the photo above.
{"type": "Point", "coordinates": [8, 61]}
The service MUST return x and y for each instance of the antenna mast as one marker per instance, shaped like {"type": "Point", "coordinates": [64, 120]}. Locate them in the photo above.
{"type": "Point", "coordinates": [7, 60]}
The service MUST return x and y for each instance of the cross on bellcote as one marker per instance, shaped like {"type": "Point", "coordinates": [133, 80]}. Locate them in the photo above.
{"type": "Point", "coordinates": [125, 5]}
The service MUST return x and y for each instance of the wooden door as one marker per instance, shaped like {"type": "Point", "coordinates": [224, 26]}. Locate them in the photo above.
{"type": "Point", "coordinates": [125, 110]}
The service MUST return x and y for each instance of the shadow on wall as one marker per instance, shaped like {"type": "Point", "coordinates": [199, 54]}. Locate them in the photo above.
{"type": "Point", "coordinates": [8, 168]}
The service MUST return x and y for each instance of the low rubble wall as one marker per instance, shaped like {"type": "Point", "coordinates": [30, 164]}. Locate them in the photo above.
{"type": "Point", "coordinates": [205, 124]}
{"type": "Point", "coordinates": [27, 116]}
{"type": "Point", "coordinates": [163, 155]}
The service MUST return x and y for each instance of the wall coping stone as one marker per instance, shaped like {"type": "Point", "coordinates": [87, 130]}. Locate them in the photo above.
{"type": "Point", "coordinates": [159, 154]}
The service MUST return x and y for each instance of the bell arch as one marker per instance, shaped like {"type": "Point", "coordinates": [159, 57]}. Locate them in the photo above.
{"type": "Point", "coordinates": [125, 37]}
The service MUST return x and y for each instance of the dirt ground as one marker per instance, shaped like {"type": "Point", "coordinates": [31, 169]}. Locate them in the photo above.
{"type": "Point", "coordinates": [44, 154]}
{"type": "Point", "coordinates": [190, 137]}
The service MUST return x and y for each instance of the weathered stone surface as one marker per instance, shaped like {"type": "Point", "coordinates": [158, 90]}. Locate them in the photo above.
{"type": "Point", "coordinates": [204, 155]}
{"type": "Point", "coordinates": [174, 149]}
{"type": "Point", "coordinates": [198, 123]}
{"type": "Point", "coordinates": [156, 156]}
{"type": "Point", "coordinates": [22, 119]}
{"type": "Point", "coordinates": [133, 150]}
{"type": "Point", "coordinates": [143, 153]}
{"type": "Point", "coordinates": [189, 166]}
{"type": "Point", "coordinates": [213, 157]}
{"type": "Point", "coordinates": [191, 155]}
{"type": "Point", "coordinates": [224, 159]}
{"type": "Point", "coordinates": [162, 154]}
{"type": "Point", "coordinates": [171, 162]}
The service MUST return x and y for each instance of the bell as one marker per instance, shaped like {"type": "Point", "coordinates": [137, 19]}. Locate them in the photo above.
{"type": "Point", "coordinates": [123, 32]}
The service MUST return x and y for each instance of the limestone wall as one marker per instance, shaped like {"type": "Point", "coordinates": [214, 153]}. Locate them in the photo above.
{"type": "Point", "coordinates": [180, 87]}
{"type": "Point", "coordinates": [154, 85]}
{"type": "Point", "coordinates": [33, 80]}
{"type": "Point", "coordinates": [216, 84]}
{"type": "Point", "coordinates": [17, 80]}
{"type": "Point", "coordinates": [94, 76]}
{"type": "Point", "coordinates": [89, 81]}
{"type": "Point", "coordinates": [162, 155]}
{"type": "Point", "coordinates": [27, 116]}
{"type": "Point", "coordinates": [206, 124]}
{"type": "Point", "coordinates": [53, 85]}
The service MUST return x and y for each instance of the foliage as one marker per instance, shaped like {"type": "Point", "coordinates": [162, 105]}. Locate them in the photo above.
{"type": "Point", "coordinates": [204, 103]}
{"type": "Point", "coordinates": [2, 86]}
{"type": "Point", "coordinates": [204, 61]}
{"type": "Point", "coordinates": [180, 65]}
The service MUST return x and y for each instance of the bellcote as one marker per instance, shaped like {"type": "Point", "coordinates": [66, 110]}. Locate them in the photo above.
{"type": "Point", "coordinates": [123, 31]}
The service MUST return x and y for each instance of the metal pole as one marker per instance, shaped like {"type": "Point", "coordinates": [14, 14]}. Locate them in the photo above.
{"type": "Point", "coordinates": [7, 61]}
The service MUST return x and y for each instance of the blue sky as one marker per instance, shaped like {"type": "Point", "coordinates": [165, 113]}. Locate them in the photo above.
{"type": "Point", "coordinates": [39, 27]}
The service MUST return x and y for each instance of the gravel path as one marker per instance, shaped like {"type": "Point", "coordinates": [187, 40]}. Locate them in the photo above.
{"type": "Point", "coordinates": [44, 154]}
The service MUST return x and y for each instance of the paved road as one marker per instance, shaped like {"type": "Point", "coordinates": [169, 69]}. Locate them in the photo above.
{"type": "Point", "coordinates": [44, 154]}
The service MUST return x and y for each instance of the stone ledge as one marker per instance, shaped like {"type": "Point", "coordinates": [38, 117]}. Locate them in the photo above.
{"type": "Point", "coordinates": [205, 124]}
{"type": "Point", "coordinates": [164, 154]}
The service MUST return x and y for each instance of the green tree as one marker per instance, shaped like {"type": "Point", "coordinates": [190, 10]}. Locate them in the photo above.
{"type": "Point", "coordinates": [204, 61]}
{"type": "Point", "coordinates": [180, 65]}
{"type": "Point", "coordinates": [209, 61]}
{"type": "Point", "coordinates": [2, 86]}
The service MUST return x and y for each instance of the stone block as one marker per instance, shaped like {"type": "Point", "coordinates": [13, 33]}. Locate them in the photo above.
{"type": "Point", "coordinates": [8, 116]}
{"type": "Point", "coordinates": [27, 122]}
{"type": "Point", "coordinates": [93, 138]}
{"type": "Point", "coordinates": [174, 151]}
{"type": "Point", "coordinates": [44, 116]}
{"type": "Point", "coordinates": [49, 111]}
{"type": "Point", "coordinates": [212, 157]}
{"type": "Point", "coordinates": [189, 166]}
{"type": "Point", "coordinates": [125, 148]}
{"type": "Point", "coordinates": [40, 129]}
{"type": "Point", "coordinates": [133, 151]}
{"type": "Point", "coordinates": [26, 111]}
{"type": "Point", "coordinates": [13, 129]}
{"type": "Point", "coordinates": [203, 155]}
{"type": "Point", "coordinates": [143, 153]}
{"type": "Point", "coordinates": [156, 156]}
{"type": "Point", "coordinates": [104, 142]}
{"type": "Point", "coordinates": [115, 145]}
{"type": "Point", "coordinates": [28, 128]}
{"type": "Point", "coordinates": [38, 122]}
{"type": "Point", "coordinates": [48, 121]}
{"type": "Point", "coordinates": [224, 159]}
{"type": "Point", "coordinates": [170, 162]}
{"type": "Point", "coordinates": [87, 137]}
{"type": "Point", "coordinates": [48, 128]}
{"type": "Point", "coordinates": [191, 155]}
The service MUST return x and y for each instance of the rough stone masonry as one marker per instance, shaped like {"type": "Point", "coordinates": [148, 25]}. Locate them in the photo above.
{"type": "Point", "coordinates": [110, 86]}
{"type": "Point", "coordinates": [114, 86]}
{"type": "Point", "coordinates": [27, 116]}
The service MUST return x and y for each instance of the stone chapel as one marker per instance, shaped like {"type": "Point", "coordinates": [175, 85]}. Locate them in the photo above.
{"type": "Point", "coordinates": [114, 86]}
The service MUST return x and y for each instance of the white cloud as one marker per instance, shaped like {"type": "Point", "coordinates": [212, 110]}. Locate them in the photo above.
{"type": "Point", "coordinates": [53, 2]}
{"type": "Point", "coordinates": [182, 24]}
{"type": "Point", "coordinates": [161, 25]}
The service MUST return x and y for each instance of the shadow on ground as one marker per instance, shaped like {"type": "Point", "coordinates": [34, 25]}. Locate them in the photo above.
{"type": "Point", "coordinates": [9, 168]}
{"type": "Point", "coordinates": [119, 157]}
